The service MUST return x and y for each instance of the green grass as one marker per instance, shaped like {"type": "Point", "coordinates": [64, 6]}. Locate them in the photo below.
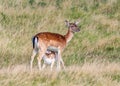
{"type": "Point", "coordinates": [97, 44]}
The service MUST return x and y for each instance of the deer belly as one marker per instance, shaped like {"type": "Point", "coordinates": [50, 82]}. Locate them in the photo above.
{"type": "Point", "coordinates": [52, 48]}
{"type": "Point", "coordinates": [48, 60]}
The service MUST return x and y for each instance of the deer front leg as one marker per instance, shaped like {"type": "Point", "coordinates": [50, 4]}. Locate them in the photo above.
{"type": "Point", "coordinates": [52, 64]}
{"type": "Point", "coordinates": [44, 65]}
{"type": "Point", "coordinates": [58, 60]}
{"type": "Point", "coordinates": [62, 62]}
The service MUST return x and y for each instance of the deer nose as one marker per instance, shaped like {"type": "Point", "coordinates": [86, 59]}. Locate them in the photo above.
{"type": "Point", "coordinates": [78, 29]}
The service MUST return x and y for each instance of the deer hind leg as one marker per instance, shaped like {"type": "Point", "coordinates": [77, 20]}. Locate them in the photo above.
{"type": "Point", "coordinates": [32, 59]}
{"type": "Point", "coordinates": [41, 54]}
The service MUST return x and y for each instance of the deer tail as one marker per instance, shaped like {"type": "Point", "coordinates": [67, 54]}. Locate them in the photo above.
{"type": "Point", "coordinates": [35, 42]}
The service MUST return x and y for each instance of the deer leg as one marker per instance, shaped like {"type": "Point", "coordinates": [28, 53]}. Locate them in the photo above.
{"type": "Point", "coordinates": [41, 54]}
{"type": "Point", "coordinates": [62, 62]}
{"type": "Point", "coordinates": [52, 64]}
{"type": "Point", "coordinates": [58, 60]}
{"type": "Point", "coordinates": [44, 65]}
{"type": "Point", "coordinates": [32, 58]}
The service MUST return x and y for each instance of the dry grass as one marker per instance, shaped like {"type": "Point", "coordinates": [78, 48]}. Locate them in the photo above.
{"type": "Point", "coordinates": [89, 74]}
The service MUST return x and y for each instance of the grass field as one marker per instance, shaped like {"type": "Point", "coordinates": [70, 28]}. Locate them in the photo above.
{"type": "Point", "coordinates": [92, 57]}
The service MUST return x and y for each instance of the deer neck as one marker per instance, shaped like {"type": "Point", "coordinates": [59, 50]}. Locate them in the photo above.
{"type": "Point", "coordinates": [69, 36]}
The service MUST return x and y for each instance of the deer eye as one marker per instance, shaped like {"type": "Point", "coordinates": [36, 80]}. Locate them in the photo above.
{"type": "Point", "coordinates": [72, 26]}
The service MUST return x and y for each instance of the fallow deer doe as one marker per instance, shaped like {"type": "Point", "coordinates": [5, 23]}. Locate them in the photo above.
{"type": "Point", "coordinates": [52, 41]}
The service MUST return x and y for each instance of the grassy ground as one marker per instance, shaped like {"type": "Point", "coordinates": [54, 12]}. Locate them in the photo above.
{"type": "Point", "coordinates": [89, 74]}
{"type": "Point", "coordinates": [92, 57]}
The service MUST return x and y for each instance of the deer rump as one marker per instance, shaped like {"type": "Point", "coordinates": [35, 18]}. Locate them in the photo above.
{"type": "Point", "coordinates": [48, 59]}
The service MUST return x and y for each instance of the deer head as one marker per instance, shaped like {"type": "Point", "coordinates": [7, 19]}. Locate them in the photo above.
{"type": "Point", "coordinates": [73, 27]}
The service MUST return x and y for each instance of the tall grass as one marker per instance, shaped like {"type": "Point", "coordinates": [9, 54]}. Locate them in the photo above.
{"type": "Point", "coordinates": [96, 46]}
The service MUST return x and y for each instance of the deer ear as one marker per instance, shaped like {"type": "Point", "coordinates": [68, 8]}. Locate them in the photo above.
{"type": "Point", "coordinates": [77, 22]}
{"type": "Point", "coordinates": [67, 23]}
